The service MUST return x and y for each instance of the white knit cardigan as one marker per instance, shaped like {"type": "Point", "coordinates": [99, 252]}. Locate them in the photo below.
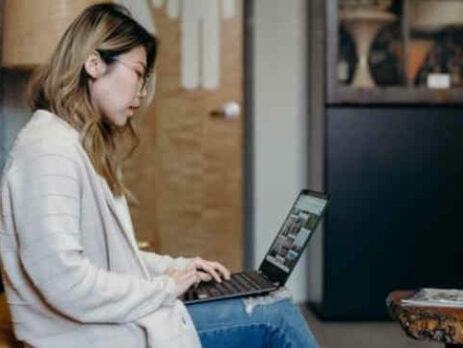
{"type": "Point", "coordinates": [72, 271]}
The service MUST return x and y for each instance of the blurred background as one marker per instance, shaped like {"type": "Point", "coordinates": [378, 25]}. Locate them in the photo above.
{"type": "Point", "coordinates": [257, 99]}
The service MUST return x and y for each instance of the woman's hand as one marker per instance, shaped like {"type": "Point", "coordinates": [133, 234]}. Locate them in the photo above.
{"type": "Point", "coordinates": [212, 268]}
{"type": "Point", "coordinates": [198, 271]}
{"type": "Point", "coordinates": [185, 279]}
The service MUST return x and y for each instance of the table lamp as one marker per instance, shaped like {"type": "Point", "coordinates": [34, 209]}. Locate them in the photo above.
{"type": "Point", "coordinates": [363, 24]}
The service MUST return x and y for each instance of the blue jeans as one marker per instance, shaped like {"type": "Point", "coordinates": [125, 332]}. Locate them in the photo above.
{"type": "Point", "coordinates": [226, 324]}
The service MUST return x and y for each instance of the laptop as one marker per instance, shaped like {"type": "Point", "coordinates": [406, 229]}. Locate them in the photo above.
{"type": "Point", "coordinates": [280, 260]}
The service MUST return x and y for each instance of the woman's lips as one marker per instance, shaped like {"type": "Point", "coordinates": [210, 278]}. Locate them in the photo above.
{"type": "Point", "coordinates": [132, 109]}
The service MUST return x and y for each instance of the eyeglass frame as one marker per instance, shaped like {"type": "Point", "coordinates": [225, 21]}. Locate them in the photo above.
{"type": "Point", "coordinates": [145, 78]}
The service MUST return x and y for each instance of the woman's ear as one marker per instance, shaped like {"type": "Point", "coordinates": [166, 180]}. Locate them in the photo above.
{"type": "Point", "coordinates": [94, 65]}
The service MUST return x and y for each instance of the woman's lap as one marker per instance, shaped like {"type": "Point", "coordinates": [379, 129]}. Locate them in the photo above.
{"type": "Point", "coordinates": [227, 324]}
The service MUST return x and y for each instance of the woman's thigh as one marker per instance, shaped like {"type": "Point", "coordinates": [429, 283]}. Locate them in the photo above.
{"type": "Point", "coordinates": [227, 324]}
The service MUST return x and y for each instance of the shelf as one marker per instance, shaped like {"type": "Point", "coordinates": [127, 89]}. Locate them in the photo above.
{"type": "Point", "coordinates": [397, 95]}
{"type": "Point", "coordinates": [381, 56]}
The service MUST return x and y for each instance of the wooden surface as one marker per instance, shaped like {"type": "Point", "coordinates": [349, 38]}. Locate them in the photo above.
{"type": "Point", "coordinates": [427, 323]}
{"type": "Point", "coordinates": [7, 338]}
{"type": "Point", "coordinates": [187, 173]}
{"type": "Point", "coordinates": [32, 29]}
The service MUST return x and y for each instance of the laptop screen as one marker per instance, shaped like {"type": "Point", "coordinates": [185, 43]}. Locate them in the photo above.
{"type": "Point", "coordinates": [298, 227]}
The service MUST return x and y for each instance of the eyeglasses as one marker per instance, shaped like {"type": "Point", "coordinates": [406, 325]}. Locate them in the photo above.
{"type": "Point", "coordinates": [143, 78]}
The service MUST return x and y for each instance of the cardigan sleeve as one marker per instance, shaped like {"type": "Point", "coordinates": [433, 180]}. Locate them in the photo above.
{"type": "Point", "coordinates": [44, 186]}
{"type": "Point", "coordinates": [159, 264]}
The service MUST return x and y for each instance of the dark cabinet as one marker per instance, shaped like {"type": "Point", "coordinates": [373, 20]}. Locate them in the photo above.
{"type": "Point", "coordinates": [395, 176]}
{"type": "Point", "coordinates": [391, 157]}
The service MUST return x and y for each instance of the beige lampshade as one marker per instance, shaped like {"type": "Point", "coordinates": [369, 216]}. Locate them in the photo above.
{"type": "Point", "coordinates": [32, 29]}
{"type": "Point", "coordinates": [418, 52]}
{"type": "Point", "coordinates": [435, 14]}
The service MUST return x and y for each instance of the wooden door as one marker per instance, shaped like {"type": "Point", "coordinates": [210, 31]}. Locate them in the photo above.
{"type": "Point", "coordinates": [188, 171]}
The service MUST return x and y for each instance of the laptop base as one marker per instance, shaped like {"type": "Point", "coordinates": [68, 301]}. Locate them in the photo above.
{"type": "Point", "coordinates": [242, 284]}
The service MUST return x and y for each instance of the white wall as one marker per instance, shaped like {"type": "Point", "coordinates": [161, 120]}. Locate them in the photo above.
{"type": "Point", "coordinates": [14, 111]}
{"type": "Point", "coordinates": [280, 122]}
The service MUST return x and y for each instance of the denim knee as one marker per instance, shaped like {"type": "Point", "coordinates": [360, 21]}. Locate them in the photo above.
{"type": "Point", "coordinates": [287, 325]}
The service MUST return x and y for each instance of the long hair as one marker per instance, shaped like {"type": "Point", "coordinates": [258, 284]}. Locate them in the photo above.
{"type": "Point", "coordinates": [61, 85]}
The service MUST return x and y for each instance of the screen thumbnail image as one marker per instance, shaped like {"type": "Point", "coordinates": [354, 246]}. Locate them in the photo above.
{"type": "Point", "coordinates": [291, 259]}
{"type": "Point", "coordinates": [280, 248]}
{"type": "Point", "coordinates": [300, 240]}
{"type": "Point", "coordinates": [311, 221]}
{"type": "Point", "coordinates": [288, 225]}
{"type": "Point", "coordinates": [294, 223]}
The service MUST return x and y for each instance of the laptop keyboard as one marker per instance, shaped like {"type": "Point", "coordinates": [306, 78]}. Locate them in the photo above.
{"type": "Point", "coordinates": [238, 283]}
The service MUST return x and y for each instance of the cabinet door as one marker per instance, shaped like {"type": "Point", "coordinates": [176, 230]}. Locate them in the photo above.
{"type": "Point", "coordinates": [395, 179]}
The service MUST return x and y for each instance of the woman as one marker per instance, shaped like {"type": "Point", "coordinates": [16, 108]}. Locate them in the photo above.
{"type": "Point", "coordinates": [73, 273]}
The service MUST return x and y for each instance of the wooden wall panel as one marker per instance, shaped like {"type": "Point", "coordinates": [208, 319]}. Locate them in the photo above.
{"type": "Point", "coordinates": [188, 172]}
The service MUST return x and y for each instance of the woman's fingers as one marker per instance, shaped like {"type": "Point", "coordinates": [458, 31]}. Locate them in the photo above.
{"type": "Point", "coordinates": [215, 269]}
{"type": "Point", "coordinates": [205, 266]}
{"type": "Point", "coordinates": [204, 277]}
{"type": "Point", "coordinates": [222, 269]}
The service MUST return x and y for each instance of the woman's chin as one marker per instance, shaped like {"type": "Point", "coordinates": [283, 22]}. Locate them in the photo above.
{"type": "Point", "coordinates": [123, 119]}
{"type": "Point", "coordinates": [119, 122]}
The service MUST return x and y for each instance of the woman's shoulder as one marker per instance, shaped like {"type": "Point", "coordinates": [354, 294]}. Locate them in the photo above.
{"type": "Point", "coordinates": [45, 134]}
{"type": "Point", "coordinates": [45, 129]}
{"type": "Point", "coordinates": [46, 124]}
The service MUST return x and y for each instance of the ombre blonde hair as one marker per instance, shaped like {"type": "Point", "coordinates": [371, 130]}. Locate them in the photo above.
{"type": "Point", "coordinates": [61, 85]}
